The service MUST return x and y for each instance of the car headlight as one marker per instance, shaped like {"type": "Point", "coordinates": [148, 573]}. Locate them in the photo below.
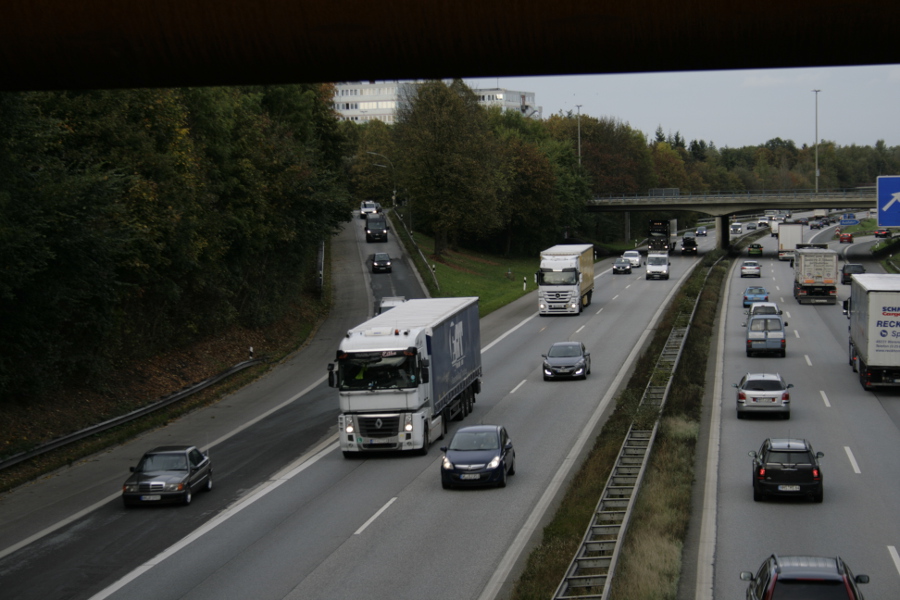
{"type": "Point", "coordinates": [130, 487]}
{"type": "Point", "coordinates": [495, 462]}
{"type": "Point", "coordinates": [446, 464]}
{"type": "Point", "coordinates": [174, 487]}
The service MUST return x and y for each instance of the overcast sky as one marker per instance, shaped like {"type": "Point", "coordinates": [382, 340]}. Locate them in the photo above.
{"type": "Point", "coordinates": [857, 105]}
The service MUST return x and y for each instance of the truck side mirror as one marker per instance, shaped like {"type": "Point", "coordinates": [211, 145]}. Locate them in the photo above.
{"type": "Point", "coordinates": [424, 374]}
{"type": "Point", "coordinates": [846, 306]}
{"type": "Point", "coordinates": [331, 375]}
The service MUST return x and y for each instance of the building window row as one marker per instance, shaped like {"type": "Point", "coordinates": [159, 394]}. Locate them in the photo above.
{"type": "Point", "coordinates": [346, 105]}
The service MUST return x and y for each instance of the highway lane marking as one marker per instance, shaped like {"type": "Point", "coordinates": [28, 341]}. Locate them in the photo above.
{"type": "Point", "coordinates": [895, 557]}
{"type": "Point", "coordinates": [301, 464]}
{"type": "Point", "coordinates": [508, 332]}
{"type": "Point", "coordinates": [796, 333]}
{"type": "Point", "coordinates": [532, 523]}
{"type": "Point", "coordinates": [580, 328]}
{"type": "Point", "coordinates": [809, 362]}
{"type": "Point", "coordinates": [599, 311]}
{"type": "Point", "coordinates": [782, 299]}
{"type": "Point", "coordinates": [825, 398]}
{"type": "Point", "coordinates": [375, 516]}
{"type": "Point", "coordinates": [616, 296]}
{"type": "Point", "coordinates": [518, 386]}
{"type": "Point", "coordinates": [852, 460]}
{"type": "Point", "coordinates": [788, 314]}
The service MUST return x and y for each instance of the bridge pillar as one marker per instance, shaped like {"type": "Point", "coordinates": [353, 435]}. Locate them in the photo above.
{"type": "Point", "coordinates": [722, 232]}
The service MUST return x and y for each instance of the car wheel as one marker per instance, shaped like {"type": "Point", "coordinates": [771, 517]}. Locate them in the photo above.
{"type": "Point", "coordinates": [546, 378]}
{"type": "Point", "coordinates": [749, 353]}
{"type": "Point", "coordinates": [512, 469]}
{"type": "Point", "coordinates": [208, 486]}
{"type": "Point", "coordinates": [502, 482]}
{"type": "Point", "coordinates": [817, 498]}
{"type": "Point", "coordinates": [757, 495]}
{"type": "Point", "coordinates": [445, 485]}
{"type": "Point", "coordinates": [187, 497]}
{"type": "Point", "coordinates": [786, 416]}
{"type": "Point", "coordinates": [740, 415]}
{"type": "Point", "coordinates": [127, 503]}
{"type": "Point", "coordinates": [783, 353]}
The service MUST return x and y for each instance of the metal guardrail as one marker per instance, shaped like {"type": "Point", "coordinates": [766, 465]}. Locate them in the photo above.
{"type": "Point", "coordinates": [589, 574]}
{"type": "Point", "coordinates": [145, 410]}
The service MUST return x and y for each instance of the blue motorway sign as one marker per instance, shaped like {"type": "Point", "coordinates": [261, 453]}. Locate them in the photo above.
{"type": "Point", "coordinates": [888, 190]}
{"type": "Point", "coordinates": [849, 222]}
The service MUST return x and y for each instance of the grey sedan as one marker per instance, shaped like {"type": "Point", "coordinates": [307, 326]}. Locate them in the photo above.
{"type": "Point", "coordinates": [168, 474]}
{"type": "Point", "coordinates": [567, 359]}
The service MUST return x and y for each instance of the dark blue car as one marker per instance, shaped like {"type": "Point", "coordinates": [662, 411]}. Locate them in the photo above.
{"type": "Point", "coordinates": [477, 456]}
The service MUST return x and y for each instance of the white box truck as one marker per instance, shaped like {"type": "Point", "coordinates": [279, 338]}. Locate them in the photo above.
{"type": "Point", "coordinates": [773, 228]}
{"type": "Point", "coordinates": [815, 275]}
{"type": "Point", "coordinates": [401, 376]}
{"type": "Point", "coordinates": [874, 313]}
{"type": "Point", "coordinates": [565, 279]}
{"type": "Point", "coordinates": [789, 235]}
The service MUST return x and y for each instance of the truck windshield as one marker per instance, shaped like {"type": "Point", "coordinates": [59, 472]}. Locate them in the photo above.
{"type": "Point", "coordinates": [388, 370]}
{"type": "Point", "coordinates": [657, 260]}
{"type": "Point", "coordinates": [569, 277]}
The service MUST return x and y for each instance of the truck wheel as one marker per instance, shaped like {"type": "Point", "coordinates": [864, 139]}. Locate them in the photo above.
{"type": "Point", "coordinates": [590, 297]}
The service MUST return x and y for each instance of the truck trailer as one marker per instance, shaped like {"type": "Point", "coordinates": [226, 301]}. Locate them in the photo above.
{"type": "Point", "coordinates": [815, 275]}
{"type": "Point", "coordinates": [874, 313]}
{"type": "Point", "coordinates": [402, 375]}
{"type": "Point", "coordinates": [789, 235]}
{"type": "Point", "coordinates": [565, 279]}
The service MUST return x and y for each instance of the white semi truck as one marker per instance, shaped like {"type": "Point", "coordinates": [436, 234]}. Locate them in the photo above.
{"type": "Point", "coordinates": [565, 279]}
{"type": "Point", "coordinates": [402, 375]}
{"type": "Point", "coordinates": [789, 235]}
{"type": "Point", "coordinates": [815, 275]}
{"type": "Point", "coordinates": [874, 313]}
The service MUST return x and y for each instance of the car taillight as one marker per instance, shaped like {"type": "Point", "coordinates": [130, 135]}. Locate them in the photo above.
{"type": "Point", "coordinates": [816, 474]}
{"type": "Point", "coordinates": [767, 298]}
{"type": "Point", "coordinates": [742, 396]}
{"type": "Point", "coordinates": [746, 298]}
{"type": "Point", "coordinates": [786, 396]}
{"type": "Point", "coordinates": [761, 473]}
{"type": "Point", "coordinates": [782, 343]}
{"type": "Point", "coordinates": [832, 292]}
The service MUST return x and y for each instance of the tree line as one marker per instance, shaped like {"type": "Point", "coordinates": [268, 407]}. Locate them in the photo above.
{"type": "Point", "coordinates": [137, 220]}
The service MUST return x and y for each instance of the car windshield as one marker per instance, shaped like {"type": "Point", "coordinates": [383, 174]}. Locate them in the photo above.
{"type": "Point", "coordinates": [387, 370]}
{"type": "Point", "coordinates": [569, 277]}
{"type": "Point", "coordinates": [763, 385]}
{"type": "Point", "coordinates": [475, 440]}
{"type": "Point", "coordinates": [764, 310]}
{"type": "Point", "coordinates": [756, 290]}
{"type": "Point", "coordinates": [809, 589]}
{"type": "Point", "coordinates": [785, 457]}
{"type": "Point", "coordinates": [766, 325]}
{"type": "Point", "coordinates": [163, 462]}
{"type": "Point", "coordinates": [382, 257]}
{"type": "Point", "coordinates": [752, 265]}
{"type": "Point", "coordinates": [854, 269]}
{"type": "Point", "coordinates": [623, 261]}
{"type": "Point", "coordinates": [562, 350]}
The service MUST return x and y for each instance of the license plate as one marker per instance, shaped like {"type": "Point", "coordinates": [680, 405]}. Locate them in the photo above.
{"type": "Point", "coordinates": [764, 400]}
{"type": "Point", "coordinates": [375, 442]}
{"type": "Point", "coordinates": [470, 476]}
{"type": "Point", "coordinates": [788, 488]}
{"type": "Point", "coordinates": [150, 498]}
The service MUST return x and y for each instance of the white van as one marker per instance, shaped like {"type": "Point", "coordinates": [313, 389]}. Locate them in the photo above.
{"type": "Point", "coordinates": [658, 265]}
{"type": "Point", "coordinates": [766, 335]}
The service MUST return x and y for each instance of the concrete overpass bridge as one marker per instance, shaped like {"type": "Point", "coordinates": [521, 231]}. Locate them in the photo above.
{"type": "Point", "coordinates": [723, 205]}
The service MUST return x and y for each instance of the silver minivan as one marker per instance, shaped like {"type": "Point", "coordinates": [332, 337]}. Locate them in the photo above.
{"type": "Point", "coordinates": [766, 335]}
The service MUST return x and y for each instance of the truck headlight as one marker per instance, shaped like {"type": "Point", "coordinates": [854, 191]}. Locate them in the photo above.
{"type": "Point", "coordinates": [348, 425]}
{"type": "Point", "coordinates": [408, 424]}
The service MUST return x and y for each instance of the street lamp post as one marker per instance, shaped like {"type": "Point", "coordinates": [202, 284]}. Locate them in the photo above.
{"type": "Point", "coordinates": [578, 106]}
{"type": "Point", "coordinates": [817, 139]}
{"type": "Point", "coordinates": [393, 173]}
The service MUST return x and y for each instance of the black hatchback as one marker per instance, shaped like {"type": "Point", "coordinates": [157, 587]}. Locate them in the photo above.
{"type": "Point", "coordinates": [850, 269]}
{"type": "Point", "coordinates": [566, 360]}
{"type": "Point", "coordinates": [478, 455]}
{"type": "Point", "coordinates": [168, 474]}
{"type": "Point", "coordinates": [787, 467]}
{"type": "Point", "coordinates": [803, 577]}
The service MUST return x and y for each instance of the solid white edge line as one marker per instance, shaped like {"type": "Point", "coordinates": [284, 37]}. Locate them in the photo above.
{"type": "Point", "coordinates": [853, 462]}
{"type": "Point", "coordinates": [504, 568]}
{"type": "Point", "coordinates": [375, 516]}
{"type": "Point", "coordinates": [283, 476]}
{"type": "Point", "coordinates": [894, 557]}
{"type": "Point", "coordinates": [707, 544]}
{"type": "Point", "coordinates": [521, 383]}
{"type": "Point", "coordinates": [825, 398]}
